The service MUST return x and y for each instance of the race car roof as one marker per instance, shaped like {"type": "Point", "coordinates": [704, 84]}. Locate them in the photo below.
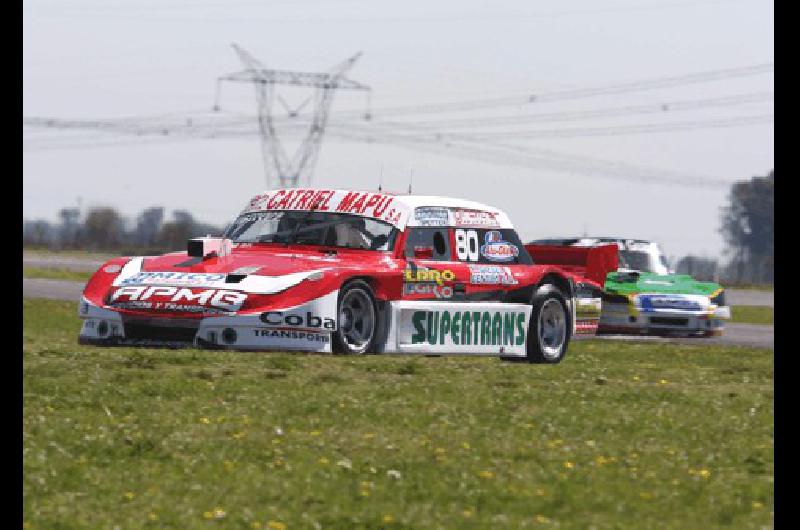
{"type": "Point", "coordinates": [585, 241]}
{"type": "Point", "coordinates": [399, 210]}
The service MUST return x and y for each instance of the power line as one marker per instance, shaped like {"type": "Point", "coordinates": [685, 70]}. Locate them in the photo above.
{"type": "Point", "coordinates": [607, 112]}
{"type": "Point", "coordinates": [580, 93]}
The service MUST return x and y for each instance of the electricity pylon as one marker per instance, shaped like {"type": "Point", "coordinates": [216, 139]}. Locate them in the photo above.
{"type": "Point", "coordinates": [280, 169]}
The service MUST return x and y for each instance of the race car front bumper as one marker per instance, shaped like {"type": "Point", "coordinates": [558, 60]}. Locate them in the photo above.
{"type": "Point", "coordinates": [307, 327]}
{"type": "Point", "coordinates": [627, 318]}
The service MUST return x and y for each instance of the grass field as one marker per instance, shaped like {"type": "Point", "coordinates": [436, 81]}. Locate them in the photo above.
{"type": "Point", "coordinates": [753, 314]}
{"type": "Point", "coordinates": [617, 436]}
{"type": "Point", "coordinates": [55, 274]}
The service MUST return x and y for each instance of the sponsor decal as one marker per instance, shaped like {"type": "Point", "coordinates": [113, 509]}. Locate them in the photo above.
{"type": "Point", "coordinates": [478, 218]}
{"type": "Point", "coordinates": [423, 274]}
{"type": "Point", "coordinates": [376, 205]}
{"type": "Point", "coordinates": [428, 282]}
{"type": "Point", "coordinates": [177, 299]}
{"type": "Point", "coordinates": [291, 334]}
{"type": "Point", "coordinates": [588, 307]}
{"type": "Point", "coordinates": [294, 320]}
{"type": "Point", "coordinates": [479, 328]}
{"type": "Point", "coordinates": [653, 302]}
{"type": "Point", "coordinates": [432, 216]}
{"type": "Point", "coordinates": [495, 249]}
{"type": "Point", "coordinates": [428, 289]}
{"type": "Point", "coordinates": [491, 275]}
{"type": "Point", "coordinates": [174, 278]}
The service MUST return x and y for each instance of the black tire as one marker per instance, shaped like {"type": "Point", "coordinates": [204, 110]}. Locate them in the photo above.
{"type": "Point", "coordinates": [550, 347]}
{"type": "Point", "coordinates": [356, 337]}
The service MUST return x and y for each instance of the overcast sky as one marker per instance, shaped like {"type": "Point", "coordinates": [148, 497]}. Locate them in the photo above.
{"type": "Point", "coordinates": [93, 59]}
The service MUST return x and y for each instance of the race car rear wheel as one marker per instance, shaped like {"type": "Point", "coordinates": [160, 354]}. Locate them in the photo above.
{"type": "Point", "coordinates": [358, 319]}
{"type": "Point", "coordinates": [550, 326]}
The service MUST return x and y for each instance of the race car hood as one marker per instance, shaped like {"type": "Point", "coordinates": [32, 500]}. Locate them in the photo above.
{"type": "Point", "coordinates": [262, 272]}
{"type": "Point", "coordinates": [631, 283]}
{"type": "Point", "coordinates": [247, 279]}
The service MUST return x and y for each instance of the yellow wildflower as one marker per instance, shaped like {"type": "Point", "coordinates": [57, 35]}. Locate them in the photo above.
{"type": "Point", "coordinates": [636, 378]}
{"type": "Point", "coordinates": [388, 518]}
{"type": "Point", "coordinates": [569, 465]}
{"type": "Point", "coordinates": [276, 525]}
{"type": "Point", "coordinates": [440, 450]}
{"type": "Point", "coordinates": [705, 473]}
{"type": "Point", "coordinates": [323, 460]}
{"type": "Point", "coordinates": [542, 519]}
{"type": "Point", "coordinates": [465, 445]}
{"type": "Point", "coordinates": [486, 474]}
{"type": "Point", "coordinates": [228, 465]}
{"type": "Point", "coordinates": [219, 513]}
{"type": "Point", "coordinates": [205, 420]}
{"type": "Point", "coordinates": [255, 525]}
{"type": "Point", "coordinates": [315, 433]}
{"type": "Point", "coordinates": [129, 495]}
{"type": "Point", "coordinates": [369, 435]}
{"type": "Point", "coordinates": [662, 381]}
{"type": "Point", "coordinates": [757, 505]}
{"type": "Point", "coordinates": [467, 512]}
{"type": "Point", "coordinates": [152, 516]}
{"type": "Point", "coordinates": [208, 515]}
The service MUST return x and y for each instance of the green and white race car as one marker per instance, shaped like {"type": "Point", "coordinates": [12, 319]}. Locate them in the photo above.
{"type": "Point", "coordinates": [645, 297]}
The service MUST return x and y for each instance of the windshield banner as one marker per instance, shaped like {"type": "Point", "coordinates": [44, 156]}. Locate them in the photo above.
{"type": "Point", "coordinates": [366, 204]}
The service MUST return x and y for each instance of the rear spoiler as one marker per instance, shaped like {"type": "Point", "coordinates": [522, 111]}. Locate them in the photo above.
{"type": "Point", "coordinates": [593, 263]}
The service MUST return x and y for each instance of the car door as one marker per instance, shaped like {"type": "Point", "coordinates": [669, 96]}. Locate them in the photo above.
{"type": "Point", "coordinates": [496, 262]}
{"type": "Point", "coordinates": [431, 271]}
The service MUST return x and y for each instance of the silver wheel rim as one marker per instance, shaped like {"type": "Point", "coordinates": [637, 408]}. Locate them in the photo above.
{"type": "Point", "coordinates": [552, 328]}
{"type": "Point", "coordinates": [356, 320]}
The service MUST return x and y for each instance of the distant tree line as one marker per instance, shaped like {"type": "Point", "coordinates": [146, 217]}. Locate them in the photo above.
{"type": "Point", "coordinates": [103, 228]}
{"type": "Point", "coordinates": [747, 223]}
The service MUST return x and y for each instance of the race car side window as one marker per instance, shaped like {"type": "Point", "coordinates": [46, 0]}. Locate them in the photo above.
{"type": "Point", "coordinates": [435, 239]}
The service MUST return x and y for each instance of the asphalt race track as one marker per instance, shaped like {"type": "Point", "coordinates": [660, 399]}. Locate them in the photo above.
{"type": "Point", "coordinates": [754, 335]}
{"type": "Point", "coordinates": [750, 297]}
{"type": "Point", "coordinates": [52, 289]}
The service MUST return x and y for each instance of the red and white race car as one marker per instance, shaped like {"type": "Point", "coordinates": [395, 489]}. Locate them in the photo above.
{"type": "Point", "coordinates": [353, 272]}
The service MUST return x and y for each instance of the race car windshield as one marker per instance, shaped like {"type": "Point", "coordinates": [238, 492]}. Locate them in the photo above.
{"type": "Point", "coordinates": [312, 228]}
{"type": "Point", "coordinates": [642, 261]}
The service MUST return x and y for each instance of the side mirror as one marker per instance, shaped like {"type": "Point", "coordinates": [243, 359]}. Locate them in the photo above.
{"type": "Point", "coordinates": [423, 252]}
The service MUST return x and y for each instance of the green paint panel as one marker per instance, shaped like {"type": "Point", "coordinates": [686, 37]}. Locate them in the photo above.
{"type": "Point", "coordinates": [645, 282]}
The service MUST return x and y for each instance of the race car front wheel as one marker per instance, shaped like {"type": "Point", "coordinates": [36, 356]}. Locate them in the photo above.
{"type": "Point", "coordinates": [358, 319]}
{"type": "Point", "coordinates": [550, 326]}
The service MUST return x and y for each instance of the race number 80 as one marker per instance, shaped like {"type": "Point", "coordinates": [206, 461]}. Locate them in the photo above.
{"type": "Point", "coordinates": [467, 247]}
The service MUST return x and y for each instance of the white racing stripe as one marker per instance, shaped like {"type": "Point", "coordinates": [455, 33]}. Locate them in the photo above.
{"type": "Point", "coordinates": [132, 274]}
